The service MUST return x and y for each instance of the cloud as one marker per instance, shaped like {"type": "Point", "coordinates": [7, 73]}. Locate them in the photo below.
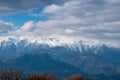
{"type": "Point", "coordinates": [79, 19]}
{"type": "Point", "coordinates": [90, 15]}
{"type": "Point", "coordinates": [6, 27]}
{"type": "Point", "coordinates": [113, 1]}
{"type": "Point", "coordinates": [8, 6]}
{"type": "Point", "coordinates": [28, 26]}
{"type": "Point", "coordinates": [26, 30]}
{"type": "Point", "coordinates": [69, 31]}
{"type": "Point", "coordinates": [92, 19]}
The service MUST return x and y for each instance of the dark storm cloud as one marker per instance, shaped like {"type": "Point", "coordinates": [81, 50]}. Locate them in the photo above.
{"type": "Point", "coordinates": [9, 6]}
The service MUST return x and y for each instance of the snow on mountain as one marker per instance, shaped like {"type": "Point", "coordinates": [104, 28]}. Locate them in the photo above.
{"type": "Point", "coordinates": [52, 41]}
{"type": "Point", "coordinates": [24, 44]}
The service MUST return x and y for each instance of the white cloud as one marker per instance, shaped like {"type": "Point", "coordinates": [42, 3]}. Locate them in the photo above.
{"type": "Point", "coordinates": [52, 9]}
{"type": "Point", "coordinates": [28, 26]}
{"type": "Point", "coordinates": [6, 27]}
{"type": "Point", "coordinates": [69, 31]}
{"type": "Point", "coordinates": [90, 19]}
{"type": "Point", "coordinates": [80, 19]}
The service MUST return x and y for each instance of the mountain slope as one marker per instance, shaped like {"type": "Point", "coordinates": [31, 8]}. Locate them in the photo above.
{"type": "Point", "coordinates": [92, 58]}
{"type": "Point", "coordinates": [40, 63]}
{"type": "Point", "coordinates": [92, 64]}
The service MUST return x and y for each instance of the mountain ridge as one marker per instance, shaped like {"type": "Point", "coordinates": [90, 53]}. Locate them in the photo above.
{"type": "Point", "coordinates": [95, 59]}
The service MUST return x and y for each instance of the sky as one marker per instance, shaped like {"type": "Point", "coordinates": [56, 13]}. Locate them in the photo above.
{"type": "Point", "coordinates": [91, 20]}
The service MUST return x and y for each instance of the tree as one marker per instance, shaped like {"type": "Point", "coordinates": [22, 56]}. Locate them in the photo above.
{"type": "Point", "coordinates": [10, 74]}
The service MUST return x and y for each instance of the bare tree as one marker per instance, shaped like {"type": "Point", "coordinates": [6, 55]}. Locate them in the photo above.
{"type": "Point", "coordinates": [10, 74]}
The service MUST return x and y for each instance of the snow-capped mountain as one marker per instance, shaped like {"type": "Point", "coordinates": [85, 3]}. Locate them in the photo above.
{"type": "Point", "coordinates": [12, 47]}
{"type": "Point", "coordinates": [51, 42]}
{"type": "Point", "coordinates": [91, 57]}
{"type": "Point", "coordinates": [19, 46]}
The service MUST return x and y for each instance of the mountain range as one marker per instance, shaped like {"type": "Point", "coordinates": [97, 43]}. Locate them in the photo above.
{"type": "Point", "coordinates": [60, 58]}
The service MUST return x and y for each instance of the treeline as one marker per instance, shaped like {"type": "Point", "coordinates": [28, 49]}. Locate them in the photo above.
{"type": "Point", "coordinates": [10, 74]}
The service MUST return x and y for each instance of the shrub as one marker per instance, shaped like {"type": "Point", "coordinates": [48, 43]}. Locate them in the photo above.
{"type": "Point", "coordinates": [75, 77]}
{"type": "Point", "coordinates": [42, 77]}
{"type": "Point", "coordinates": [90, 79]}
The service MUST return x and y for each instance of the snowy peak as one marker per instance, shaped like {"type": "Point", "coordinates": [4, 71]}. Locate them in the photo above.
{"type": "Point", "coordinates": [25, 45]}
{"type": "Point", "coordinates": [35, 44]}
{"type": "Point", "coordinates": [12, 48]}
{"type": "Point", "coordinates": [51, 41]}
